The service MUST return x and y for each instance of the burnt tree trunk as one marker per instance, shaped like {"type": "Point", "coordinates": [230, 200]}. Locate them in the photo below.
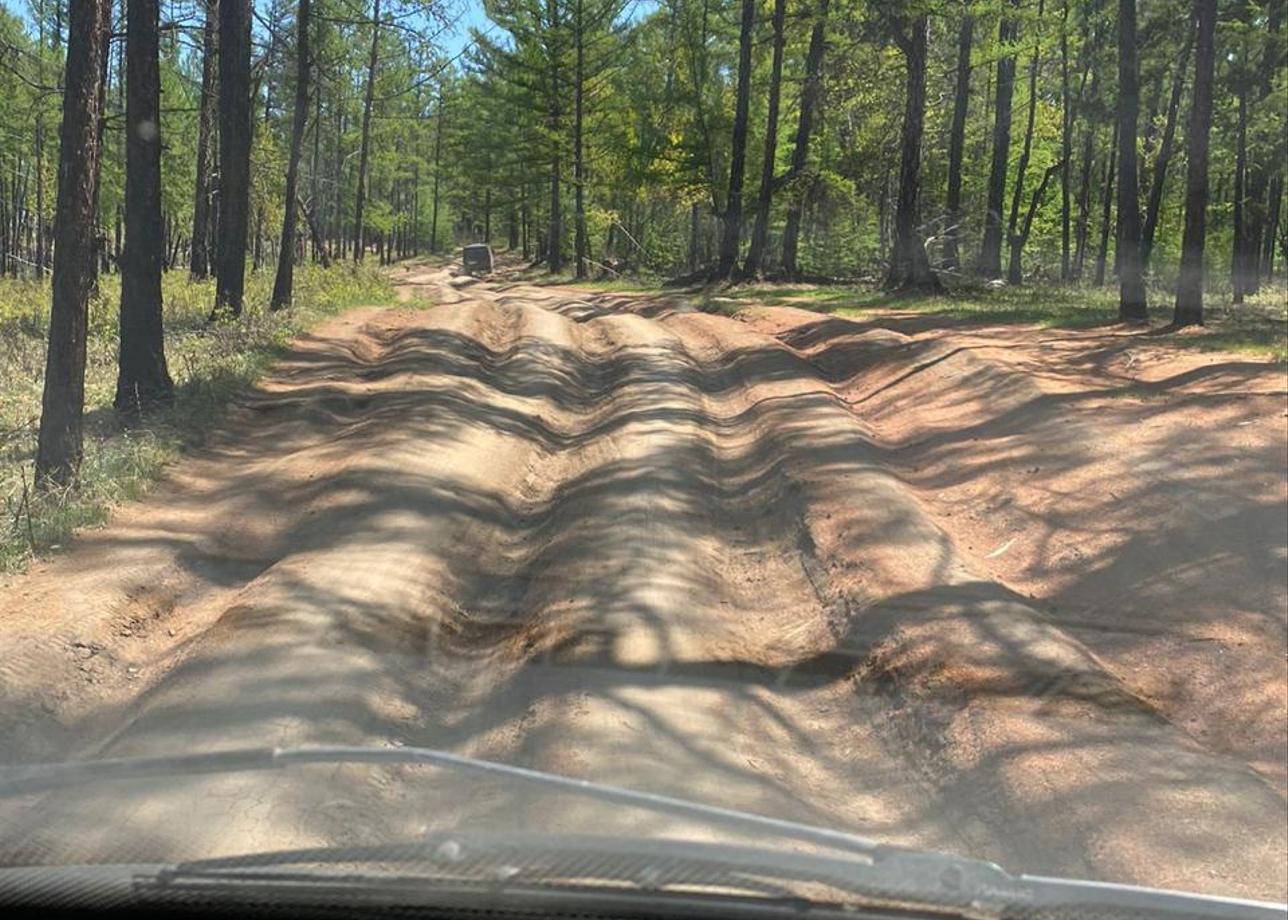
{"type": "Point", "coordinates": [909, 266]}
{"type": "Point", "coordinates": [364, 145]}
{"type": "Point", "coordinates": [199, 253]}
{"type": "Point", "coordinates": [285, 279]}
{"type": "Point", "coordinates": [143, 379]}
{"type": "Point", "coordinates": [760, 229]}
{"type": "Point", "coordinates": [990, 253]}
{"type": "Point", "coordinates": [234, 153]}
{"type": "Point", "coordinates": [1189, 282]}
{"type": "Point", "coordinates": [59, 443]}
{"type": "Point", "coordinates": [1276, 195]}
{"type": "Point", "coordinates": [100, 234]}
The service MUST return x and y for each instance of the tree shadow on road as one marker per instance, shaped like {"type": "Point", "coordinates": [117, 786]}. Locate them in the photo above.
{"type": "Point", "coordinates": [623, 602]}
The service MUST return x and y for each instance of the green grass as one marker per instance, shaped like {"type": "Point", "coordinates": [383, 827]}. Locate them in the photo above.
{"type": "Point", "coordinates": [1258, 327]}
{"type": "Point", "coordinates": [210, 366]}
{"type": "Point", "coordinates": [624, 284]}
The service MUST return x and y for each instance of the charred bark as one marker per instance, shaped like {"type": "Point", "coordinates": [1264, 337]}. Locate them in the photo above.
{"type": "Point", "coordinates": [283, 283]}
{"type": "Point", "coordinates": [909, 266]}
{"type": "Point", "coordinates": [199, 253]}
{"type": "Point", "coordinates": [234, 153]}
{"type": "Point", "coordinates": [59, 443]}
{"type": "Point", "coordinates": [760, 229]}
{"type": "Point", "coordinates": [1189, 284]}
{"type": "Point", "coordinates": [364, 145]}
{"type": "Point", "coordinates": [143, 380]}
{"type": "Point", "coordinates": [990, 253]}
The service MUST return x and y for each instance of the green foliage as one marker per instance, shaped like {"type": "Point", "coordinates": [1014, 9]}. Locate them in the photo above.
{"type": "Point", "coordinates": [210, 366]}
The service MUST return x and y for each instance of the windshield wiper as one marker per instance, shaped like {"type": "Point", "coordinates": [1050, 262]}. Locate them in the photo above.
{"type": "Point", "coordinates": [32, 778]}
{"type": "Point", "coordinates": [885, 873]}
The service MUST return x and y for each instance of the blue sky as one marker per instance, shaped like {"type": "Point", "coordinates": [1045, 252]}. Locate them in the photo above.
{"type": "Point", "coordinates": [471, 16]}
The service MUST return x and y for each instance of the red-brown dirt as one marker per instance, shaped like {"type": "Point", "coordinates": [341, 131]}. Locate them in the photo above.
{"type": "Point", "coordinates": [1011, 593]}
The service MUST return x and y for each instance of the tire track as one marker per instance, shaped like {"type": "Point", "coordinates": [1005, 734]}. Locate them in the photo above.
{"type": "Point", "coordinates": [658, 552]}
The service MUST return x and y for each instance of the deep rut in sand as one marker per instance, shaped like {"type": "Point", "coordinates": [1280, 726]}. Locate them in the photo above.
{"type": "Point", "coordinates": [646, 547]}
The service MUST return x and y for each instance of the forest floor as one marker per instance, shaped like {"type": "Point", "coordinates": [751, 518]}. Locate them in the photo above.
{"type": "Point", "coordinates": [1015, 593]}
{"type": "Point", "coordinates": [210, 366]}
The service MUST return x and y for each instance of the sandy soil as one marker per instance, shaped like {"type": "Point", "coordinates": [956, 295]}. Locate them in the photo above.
{"type": "Point", "coordinates": [1007, 593]}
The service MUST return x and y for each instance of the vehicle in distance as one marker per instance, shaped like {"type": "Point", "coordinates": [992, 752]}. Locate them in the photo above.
{"type": "Point", "coordinates": [477, 258]}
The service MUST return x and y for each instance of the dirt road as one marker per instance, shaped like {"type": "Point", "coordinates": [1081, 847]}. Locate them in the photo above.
{"type": "Point", "coordinates": [744, 561]}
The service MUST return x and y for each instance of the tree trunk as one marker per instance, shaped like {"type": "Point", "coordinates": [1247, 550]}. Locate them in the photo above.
{"type": "Point", "coordinates": [1066, 142]}
{"type": "Point", "coordinates": [234, 153]}
{"type": "Point", "coordinates": [1084, 189]}
{"type": "Point", "coordinates": [1238, 266]}
{"type": "Point", "coordinates": [315, 169]}
{"type": "Point", "coordinates": [760, 230]}
{"type": "Point", "coordinates": [100, 233]}
{"type": "Point", "coordinates": [578, 161]}
{"type": "Point", "coordinates": [438, 168]}
{"type": "Point", "coordinates": [1014, 239]}
{"type": "Point", "coordinates": [143, 380]}
{"type": "Point", "coordinates": [316, 231]}
{"type": "Point", "coordinates": [695, 218]}
{"type": "Point", "coordinates": [957, 144]}
{"type": "Point", "coordinates": [1189, 283]}
{"type": "Point", "coordinates": [1272, 227]}
{"type": "Point", "coordinates": [804, 126]}
{"type": "Point", "coordinates": [338, 236]}
{"type": "Point", "coordinates": [554, 241]}
{"type": "Point", "coordinates": [257, 241]}
{"type": "Point", "coordinates": [39, 260]}
{"type": "Point", "coordinates": [909, 266]}
{"type": "Point", "coordinates": [1153, 207]}
{"type": "Point", "coordinates": [1102, 254]}
{"type": "Point", "coordinates": [59, 443]}
{"type": "Point", "coordinates": [285, 279]}
{"type": "Point", "coordinates": [525, 218]}
{"type": "Point", "coordinates": [990, 253]}
{"type": "Point", "coordinates": [199, 253]}
{"type": "Point", "coordinates": [1131, 282]}
{"type": "Point", "coordinates": [364, 148]}
{"type": "Point", "coordinates": [1257, 168]}
{"type": "Point", "coordinates": [732, 236]}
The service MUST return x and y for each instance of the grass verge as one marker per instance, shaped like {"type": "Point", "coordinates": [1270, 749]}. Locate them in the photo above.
{"type": "Point", "coordinates": [210, 365]}
{"type": "Point", "coordinates": [1258, 327]}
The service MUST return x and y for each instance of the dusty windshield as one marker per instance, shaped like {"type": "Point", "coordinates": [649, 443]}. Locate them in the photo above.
{"type": "Point", "coordinates": [871, 416]}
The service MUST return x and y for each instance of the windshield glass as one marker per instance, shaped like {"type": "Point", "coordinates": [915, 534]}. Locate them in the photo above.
{"type": "Point", "coordinates": [870, 416]}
